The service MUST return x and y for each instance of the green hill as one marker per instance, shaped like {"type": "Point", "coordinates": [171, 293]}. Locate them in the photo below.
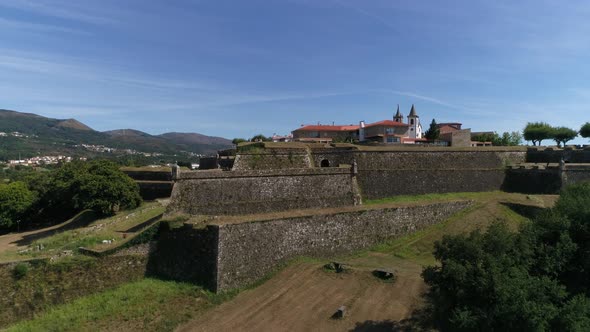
{"type": "Point", "coordinates": [47, 136]}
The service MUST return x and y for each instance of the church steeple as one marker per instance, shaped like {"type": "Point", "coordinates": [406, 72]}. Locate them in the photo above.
{"type": "Point", "coordinates": [398, 116]}
{"type": "Point", "coordinates": [414, 122]}
{"type": "Point", "coordinates": [413, 112]}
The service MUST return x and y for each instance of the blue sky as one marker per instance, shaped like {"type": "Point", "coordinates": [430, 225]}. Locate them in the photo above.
{"type": "Point", "coordinates": [238, 68]}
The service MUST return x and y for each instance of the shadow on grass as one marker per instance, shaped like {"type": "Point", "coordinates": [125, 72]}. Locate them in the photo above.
{"type": "Point", "coordinates": [83, 219]}
{"type": "Point", "coordinates": [527, 211]}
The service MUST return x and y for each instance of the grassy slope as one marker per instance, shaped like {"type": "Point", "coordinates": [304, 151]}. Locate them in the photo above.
{"type": "Point", "coordinates": [90, 236]}
{"type": "Point", "coordinates": [147, 305]}
{"type": "Point", "coordinates": [159, 306]}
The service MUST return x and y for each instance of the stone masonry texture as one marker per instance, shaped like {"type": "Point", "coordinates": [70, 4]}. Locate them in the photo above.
{"type": "Point", "coordinates": [249, 192]}
{"type": "Point", "coordinates": [249, 251]}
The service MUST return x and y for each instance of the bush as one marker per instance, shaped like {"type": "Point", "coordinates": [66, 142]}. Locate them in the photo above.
{"type": "Point", "coordinates": [20, 270]}
{"type": "Point", "coordinates": [535, 279]}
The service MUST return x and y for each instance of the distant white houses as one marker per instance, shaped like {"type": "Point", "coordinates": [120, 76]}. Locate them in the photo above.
{"type": "Point", "coordinates": [43, 160]}
{"type": "Point", "coordinates": [278, 138]}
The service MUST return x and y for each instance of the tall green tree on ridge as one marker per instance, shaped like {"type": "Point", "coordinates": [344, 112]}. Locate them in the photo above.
{"type": "Point", "coordinates": [562, 135]}
{"type": "Point", "coordinates": [536, 132]}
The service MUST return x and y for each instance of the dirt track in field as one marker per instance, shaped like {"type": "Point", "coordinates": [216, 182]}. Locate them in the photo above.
{"type": "Point", "coordinates": [304, 296]}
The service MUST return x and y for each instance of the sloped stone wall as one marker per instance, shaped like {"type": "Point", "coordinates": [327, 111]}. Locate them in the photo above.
{"type": "Point", "coordinates": [250, 192]}
{"type": "Point", "coordinates": [249, 251]}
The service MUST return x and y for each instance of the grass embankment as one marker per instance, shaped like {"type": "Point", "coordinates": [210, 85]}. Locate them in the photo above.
{"type": "Point", "coordinates": [146, 305]}
{"type": "Point", "coordinates": [84, 230]}
{"type": "Point", "coordinates": [488, 207]}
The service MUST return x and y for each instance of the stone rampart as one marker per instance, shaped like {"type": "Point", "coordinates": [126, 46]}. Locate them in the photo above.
{"type": "Point", "coordinates": [533, 179]}
{"type": "Point", "coordinates": [153, 184]}
{"type": "Point", "coordinates": [151, 190]}
{"type": "Point", "coordinates": [226, 255]}
{"type": "Point", "coordinates": [385, 174]}
{"type": "Point", "coordinates": [273, 159]}
{"type": "Point", "coordinates": [576, 173]}
{"type": "Point", "coordinates": [249, 192]}
{"type": "Point", "coordinates": [544, 178]}
{"type": "Point", "coordinates": [555, 155]}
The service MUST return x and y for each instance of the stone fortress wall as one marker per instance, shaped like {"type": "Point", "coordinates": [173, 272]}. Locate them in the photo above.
{"type": "Point", "coordinates": [250, 192]}
{"type": "Point", "coordinates": [232, 254]}
{"type": "Point", "coordinates": [548, 170]}
{"type": "Point", "coordinates": [228, 255]}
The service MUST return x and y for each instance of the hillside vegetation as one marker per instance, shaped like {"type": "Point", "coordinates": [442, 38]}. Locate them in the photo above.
{"type": "Point", "coordinates": [47, 136]}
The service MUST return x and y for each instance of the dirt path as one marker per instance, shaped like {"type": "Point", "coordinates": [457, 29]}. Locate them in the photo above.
{"type": "Point", "coordinates": [303, 297]}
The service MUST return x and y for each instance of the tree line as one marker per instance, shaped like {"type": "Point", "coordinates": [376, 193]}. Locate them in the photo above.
{"type": "Point", "coordinates": [536, 279]}
{"type": "Point", "coordinates": [56, 195]}
{"type": "Point", "coordinates": [536, 132]}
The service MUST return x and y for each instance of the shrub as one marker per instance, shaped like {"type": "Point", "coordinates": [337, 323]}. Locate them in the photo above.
{"type": "Point", "coordinates": [20, 270]}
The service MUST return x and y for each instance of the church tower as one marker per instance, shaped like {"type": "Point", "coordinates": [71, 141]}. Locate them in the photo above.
{"type": "Point", "coordinates": [414, 122]}
{"type": "Point", "coordinates": [398, 117]}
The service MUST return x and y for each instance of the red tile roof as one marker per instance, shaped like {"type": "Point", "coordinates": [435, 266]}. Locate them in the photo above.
{"type": "Point", "coordinates": [327, 128]}
{"type": "Point", "coordinates": [388, 123]}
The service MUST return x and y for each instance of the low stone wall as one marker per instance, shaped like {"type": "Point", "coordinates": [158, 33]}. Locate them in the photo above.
{"type": "Point", "coordinates": [248, 192]}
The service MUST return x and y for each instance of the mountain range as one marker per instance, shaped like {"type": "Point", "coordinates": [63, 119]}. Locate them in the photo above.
{"type": "Point", "coordinates": [46, 136]}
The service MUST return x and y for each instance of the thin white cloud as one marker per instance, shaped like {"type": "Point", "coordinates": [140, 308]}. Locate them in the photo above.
{"type": "Point", "coordinates": [37, 27]}
{"type": "Point", "coordinates": [426, 98]}
{"type": "Point", "coordinates": [56, 9]}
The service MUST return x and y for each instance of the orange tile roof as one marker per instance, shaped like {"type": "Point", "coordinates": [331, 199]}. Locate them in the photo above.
{"type": "Point", "coordinates": [388, 123]}
{"type": "Point", "coordinates": [327, 128]}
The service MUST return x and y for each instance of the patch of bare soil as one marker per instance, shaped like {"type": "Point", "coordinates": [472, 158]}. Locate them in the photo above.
{"type": "Point", "coordinates": [304, 297]}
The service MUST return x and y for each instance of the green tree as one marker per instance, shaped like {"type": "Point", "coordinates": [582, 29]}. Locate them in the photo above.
{"type": "Point", "coordinates": [562, 135]}
{"type": "Point", "coordinates": [507, 139]}
{"type": "Point", "coordinates": [513, 138]}
{"type": "Point", "coordinates": [483, 283]}
{"type": "Point", "coordinates": [534, 279]}
{"type": "Point", "coordinates": [98, 185]}
{"type": "Point", "coordinates": [433, 132]}
{"type": "Point", "coordinates": [536, 132]}
{"type": "Point", "coordinates": [15, 201]}
{"type": "Point", "coordinates": [237, 141]}
{"type": "Point", "coordinates": [260, 138]}
{"type": "Point", "coordinates": [585, 130]}
{"type": "Point", "coordinates": [105, 189]}
{"type": "Point", "coordinates": [574, 204]}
